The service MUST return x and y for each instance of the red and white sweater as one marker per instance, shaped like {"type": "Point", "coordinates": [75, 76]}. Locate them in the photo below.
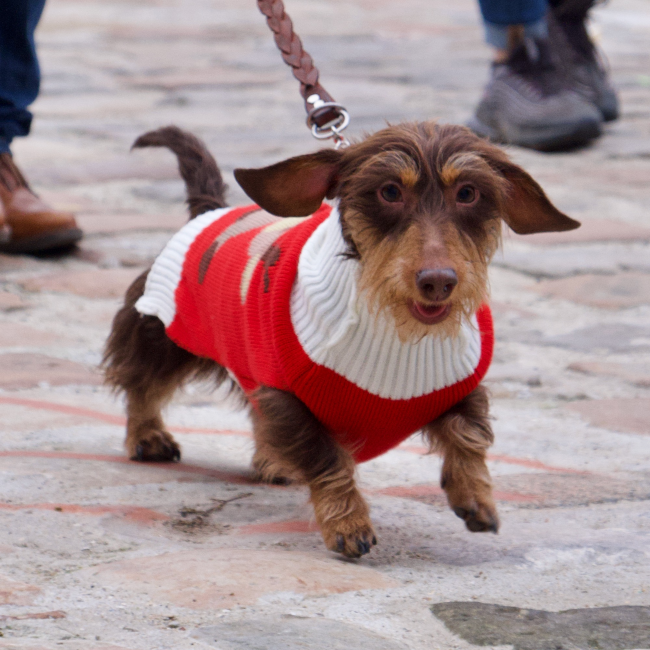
{"type": "Point", "coordinates": [275, 302]}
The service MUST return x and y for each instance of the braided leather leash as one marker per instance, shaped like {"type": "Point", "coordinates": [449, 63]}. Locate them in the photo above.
{"type": "Point", "coordinates": [325, 117]}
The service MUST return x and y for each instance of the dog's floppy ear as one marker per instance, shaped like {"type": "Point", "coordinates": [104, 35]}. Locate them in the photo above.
{"type": "Point", "coordinates": [527, 209]}
{"type": "Point", "coordinates": [295, 187]}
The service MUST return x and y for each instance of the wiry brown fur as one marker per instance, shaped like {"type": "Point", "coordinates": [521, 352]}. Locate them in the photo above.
{"type": "Point", "coordinates": [148, 367]}
{"type": "Point", "coordinates": [205, 187]}
{"type": "Point", "coordinates": [431, 228]}
{"type": "Point", "coordinates": [140, 360]}
{"type": "Point", "coordinates": [462, 436]}
{"type": "Point", "coordinates": [298, 444]}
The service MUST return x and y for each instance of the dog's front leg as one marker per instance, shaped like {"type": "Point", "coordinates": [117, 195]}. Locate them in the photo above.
{"type": "Point", "coordinates": [463, 435]}
{"type": "Point", "coordinates": [288, 430]}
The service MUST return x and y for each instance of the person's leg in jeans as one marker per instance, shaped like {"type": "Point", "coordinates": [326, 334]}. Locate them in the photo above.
{"type": "Point", "coordinates": [26, 223]}
{"type": "Point", "coordinates": [528, 100]}
{"type": "Point", "coordinates": [528, 17]}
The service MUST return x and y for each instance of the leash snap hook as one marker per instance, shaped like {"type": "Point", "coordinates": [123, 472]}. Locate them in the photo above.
{"type": "Point", "coordinates": [331, 128]}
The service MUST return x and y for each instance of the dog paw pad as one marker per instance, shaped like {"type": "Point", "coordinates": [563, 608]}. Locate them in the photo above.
{"type": "Point", "coordinates": [354, 545]}
{"type": "Point", "coordinates": [480, 520]}
{"type": "Point", "coordinates": [156, 446]}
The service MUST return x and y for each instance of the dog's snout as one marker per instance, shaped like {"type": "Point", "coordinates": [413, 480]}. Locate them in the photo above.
{"type": "Point", "coordinates": [436, 285]}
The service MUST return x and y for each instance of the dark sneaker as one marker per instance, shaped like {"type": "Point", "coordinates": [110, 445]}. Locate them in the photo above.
{"type": "Point", "coordinates": [527, 103]}
{"type": "Point", "coordinates": [577, 56]}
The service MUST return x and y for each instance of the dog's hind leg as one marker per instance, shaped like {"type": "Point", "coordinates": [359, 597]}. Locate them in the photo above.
{"type": "Point", "coordinates": [295, 440]}
{"type": "Point", "coordinates": [148, 367]}
{"type": "Point", "coordinates": [140, 359]}
{"type": "Point", "coordinates": [463, 435]}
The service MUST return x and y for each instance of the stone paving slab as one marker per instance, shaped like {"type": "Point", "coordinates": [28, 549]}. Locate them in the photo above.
{"type": "Point", "coordinates": [96, 283]}
{"type": "Point", "coordinates": [101, 224]}
{"type": "Point", "coordinates": [609, 628]}
{"type": "Point", "coordinates": [101, 553]}
{"type": "Point", "coordinates": [235, 577]}
{"type": "Point", "coordinates": [608, 291]}
{"type": "Point", "coordinates": [637, 374]}
{"type": "Point", "coordinates": [25, 370]}
{"type": "Point", "coordinates": [593, 230]}
{"type": "Point", "coordinates": [10, 301]}
{"type": "Point", "coordinates": [568, 260]}
{"type": "Point", "coordinates": [16, 593]}
{"type": "Point", "coordinates": [631, 415]}
{"type": "Point", "coordinates": [292, 633]}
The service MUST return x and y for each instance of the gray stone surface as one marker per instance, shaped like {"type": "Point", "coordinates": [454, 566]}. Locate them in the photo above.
{"type": "Point", "coordinates": [293, 633]}
{"type": "Point", "coordinates": [567, 260]}
{"type": "Point", "coordinates": [608, 337]}
{"type": "Point", "coordinates": [615, 291]}
{"type": "Point", "coordinates": [606, 628]}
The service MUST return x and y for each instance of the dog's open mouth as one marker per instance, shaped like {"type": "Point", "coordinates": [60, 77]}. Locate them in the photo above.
{"type": "Point", "coordinates": [429, 314]}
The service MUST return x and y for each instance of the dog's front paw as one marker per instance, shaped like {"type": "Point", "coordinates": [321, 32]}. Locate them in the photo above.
{"type": "Point", "coordinates": [350, 537]}
{"type": "Point", "coordinates": [479, 518]}
{"type": "Point", "coordinates": [153, 445]}
{"type": "Point", "coordinates": [472, 502]}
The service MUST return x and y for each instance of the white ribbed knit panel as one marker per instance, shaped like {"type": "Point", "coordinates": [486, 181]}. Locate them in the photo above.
{"type": "Point", "coordinates": [159, 294]}
{"type": "Point", "coordinates": [336, 330]}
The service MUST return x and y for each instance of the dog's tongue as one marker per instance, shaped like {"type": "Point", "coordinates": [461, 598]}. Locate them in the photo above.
{"type": "Point", "coordinates": [430, 311]}
{"type": "Point", "coordinates": [430, 314]}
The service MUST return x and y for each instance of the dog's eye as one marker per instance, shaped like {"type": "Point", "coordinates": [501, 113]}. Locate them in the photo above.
{"type": "Point", "coordinates": [466, 194]}
{"type": "Point", "coordinates": [391, 193]}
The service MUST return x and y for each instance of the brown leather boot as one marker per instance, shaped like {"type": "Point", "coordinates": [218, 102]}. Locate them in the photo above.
{"type": "Point", "coordinates": [27, 224]}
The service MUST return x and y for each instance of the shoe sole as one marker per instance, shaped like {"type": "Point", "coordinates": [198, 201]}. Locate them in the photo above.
{"type": "Point", "coordinates": [41, 243]}
{"type": "Point", "coordinates": [608, 106]}
{"type": "Point", "coordinates": [551, 139]}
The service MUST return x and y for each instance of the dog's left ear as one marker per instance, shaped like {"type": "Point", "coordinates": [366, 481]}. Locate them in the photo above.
{"type": "Point", "coordinates": [295, 187]}
{"type": "Point", "coordinates": [528, 210]}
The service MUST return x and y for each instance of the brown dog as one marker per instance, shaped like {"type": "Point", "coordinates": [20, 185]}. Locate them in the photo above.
{"type": "Point", "coordinates": [419, 214]}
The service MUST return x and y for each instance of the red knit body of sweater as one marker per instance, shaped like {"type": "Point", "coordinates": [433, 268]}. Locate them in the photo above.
{"type": "Point", "coordinates": [231, 303]}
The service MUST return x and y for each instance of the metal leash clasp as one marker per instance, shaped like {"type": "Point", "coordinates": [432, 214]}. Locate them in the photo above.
{"type": "Point", "coordinates": [331, 129]}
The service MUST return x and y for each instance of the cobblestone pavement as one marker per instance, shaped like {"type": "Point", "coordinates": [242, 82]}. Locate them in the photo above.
{"type": "Point", "coordinates": [98, 553]}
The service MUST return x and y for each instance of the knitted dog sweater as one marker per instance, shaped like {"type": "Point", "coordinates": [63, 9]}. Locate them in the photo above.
{"type": "Point", "coordinates": [275, 301]}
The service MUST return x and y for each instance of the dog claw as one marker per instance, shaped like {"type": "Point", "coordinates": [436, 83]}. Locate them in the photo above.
{"type": "Point", "coordinates": [477, 526]}
{"type": "Point", "coordinates": [462, 513]}
{"type": "Point", "coordinates": [155, 446]}
{"type": "Point", "coordinates": [486, 523]}
{"type": "Point", "coordinates": [355, 545]}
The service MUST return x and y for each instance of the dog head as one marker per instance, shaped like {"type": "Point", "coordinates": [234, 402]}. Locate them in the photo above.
{"type": "Point", "coordinates": [421, 208]}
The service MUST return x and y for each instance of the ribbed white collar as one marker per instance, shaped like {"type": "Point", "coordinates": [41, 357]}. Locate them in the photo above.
{"type": "Point", "coordinates": [336, 330]}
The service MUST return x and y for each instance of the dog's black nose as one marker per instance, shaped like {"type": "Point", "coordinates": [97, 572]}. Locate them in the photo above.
{"type": "Point", "coordinates": [436, 285]}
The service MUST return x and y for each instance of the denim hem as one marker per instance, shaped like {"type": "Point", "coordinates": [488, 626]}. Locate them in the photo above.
{"type": "Point", "coordinates": [513, 12]}
{"type": "Point", "coordinates": [497, 35]}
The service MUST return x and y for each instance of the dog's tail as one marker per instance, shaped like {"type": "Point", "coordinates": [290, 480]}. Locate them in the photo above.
{"type": "Point", "coordinates": [204, 185]}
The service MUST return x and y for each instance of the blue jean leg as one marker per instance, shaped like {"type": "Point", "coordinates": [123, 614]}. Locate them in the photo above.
{"type": "Point", "coordinates": [498, 14]}
{"type": "Point", "coordinates": [497, 35]}
{"type": "Point", "coordinates": [513, 12]}
{"type": "Point", "coordinates": [19, 71]}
